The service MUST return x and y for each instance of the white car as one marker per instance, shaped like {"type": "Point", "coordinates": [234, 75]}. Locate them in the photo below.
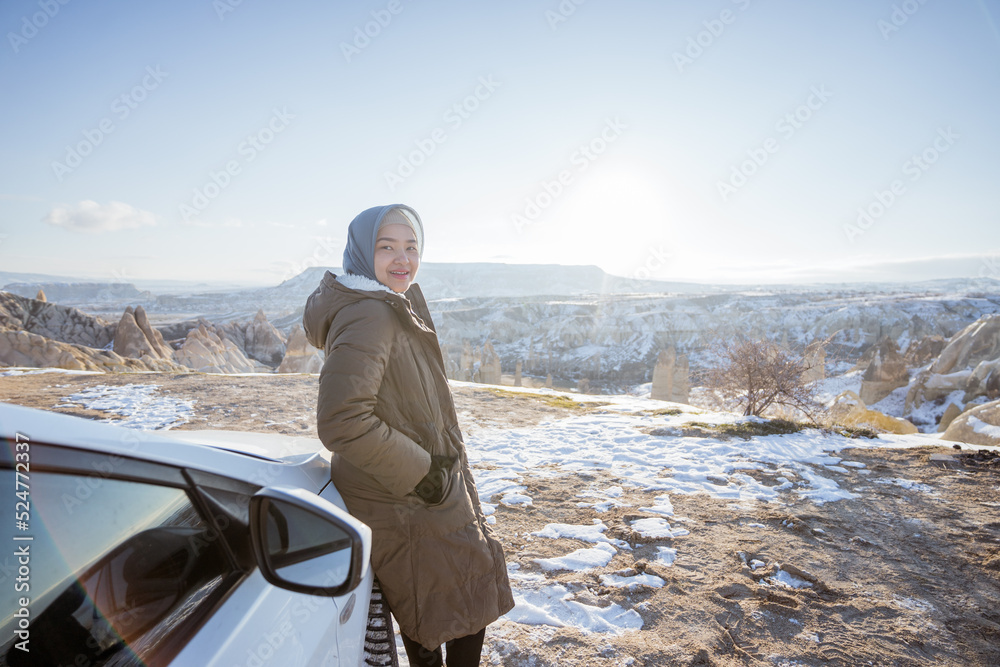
{"type": "Point", "coordinates": [126, 547]}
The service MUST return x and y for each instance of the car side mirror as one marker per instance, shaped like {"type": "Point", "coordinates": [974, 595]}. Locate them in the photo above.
{"type": "Point", "coordinates": [307, 544]}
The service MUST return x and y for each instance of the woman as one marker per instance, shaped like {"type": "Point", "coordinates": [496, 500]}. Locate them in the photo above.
{"type": "Point", "coordinates": [386, 411]}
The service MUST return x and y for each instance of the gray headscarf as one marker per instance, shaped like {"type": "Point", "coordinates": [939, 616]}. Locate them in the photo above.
{"type": "Point", "coordinates": [359, 255]}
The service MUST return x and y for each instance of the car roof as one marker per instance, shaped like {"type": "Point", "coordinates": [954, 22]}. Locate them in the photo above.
{"type": "Point", "coordinates": [281, 460]}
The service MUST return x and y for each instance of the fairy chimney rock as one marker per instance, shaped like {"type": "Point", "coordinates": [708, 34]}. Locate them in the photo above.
{"type": "Point", "coordinates": [263, 342]}
{"type": "Point", "coordinates": [886, 372]}
{"type": "Point", "coordinates": [663, 376]}
{"type": "Point", "coordinates": [489, 365]}
{"type": "Point", "coordinates": [300, 355]}
{"type": "Point", "coordinates": [136, 339]}
{"type": "Point", "coordinates": [466, 362]}
{"type": "Point", "coordinates": [815, 361]}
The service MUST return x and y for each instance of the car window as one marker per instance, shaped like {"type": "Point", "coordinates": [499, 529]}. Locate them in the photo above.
{"type": "Point", "coordinates": [116, 566]}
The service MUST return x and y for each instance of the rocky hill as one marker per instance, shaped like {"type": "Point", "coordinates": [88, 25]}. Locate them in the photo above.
{"type": "Point", "coordinates": [576, 327]}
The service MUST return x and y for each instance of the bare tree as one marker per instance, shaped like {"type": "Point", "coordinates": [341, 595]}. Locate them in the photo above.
{"type": "Point", "coordinates": [757, 374]}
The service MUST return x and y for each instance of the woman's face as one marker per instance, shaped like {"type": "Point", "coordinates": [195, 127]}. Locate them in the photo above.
{"type": "Point", "coordinates": [396, 257]}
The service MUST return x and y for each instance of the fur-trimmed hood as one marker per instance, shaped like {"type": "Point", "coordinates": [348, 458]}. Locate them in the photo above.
{"type": "Point", "coordinates": [335, 292]}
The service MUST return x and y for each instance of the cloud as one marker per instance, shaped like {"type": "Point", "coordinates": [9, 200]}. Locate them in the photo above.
{"type": "Point", "coordinates": [91, 217]}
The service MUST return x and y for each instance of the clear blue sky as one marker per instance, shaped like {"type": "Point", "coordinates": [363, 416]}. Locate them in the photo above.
{"type": "Point", "coordinates": [731, 140]}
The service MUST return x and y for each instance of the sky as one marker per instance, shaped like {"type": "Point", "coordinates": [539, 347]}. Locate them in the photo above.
{"type": "Point", "coordinates": [719, 141]}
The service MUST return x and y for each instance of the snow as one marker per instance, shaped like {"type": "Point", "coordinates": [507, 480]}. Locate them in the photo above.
{"type": "Point", "coordinates": [979, 426]}
{"type": "Point", "coordinates": [609, 495]}
{"type": "Point", "coordinates": [136, 406]}
{"type": "Point", "coordinates": [783, 578]}
{"type": "Point", "coordinates": [657, 529]}
{"type": "Point", "coordinates": [580, 560]}
{"type": "Point", "coordinates": [614, 439]}
{"type": "Point", "coordinates": [829, 388]}
{"type": "Point", "coordinates": [593, 533]}
{"type": "Point", "coordinates": [908, 484]}
{"type": "Point", "coordinates": [13, 371]}
{"type": "Point", "coordinates": [666, 555]}
{"type": "Point", "coordinates": [538, 603]}
{"type": "Point", "coordinates": [632, 582]}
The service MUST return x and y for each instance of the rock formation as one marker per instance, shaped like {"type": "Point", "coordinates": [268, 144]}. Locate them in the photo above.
{"type": "Point", "coordinates": [984, 381]}
{"type": "Point", "coordinates": [969, 363]}
{"type": "Point", "coordinates": [40, 334]}
{"type": "Point", "coordinates": [815, 361]}
{"type": "Point", "coordinates": [41, 296]}
{"type": "Point", "coordinates": [978, 342]}
{"type": "Point", "coordinates": [920, 352]}
{"type": "Point", "coordinates": [671, 377]}
{"type": "Point", "coordinates": [263, 342]}
{"type": "Point", "coordinates": [849, 410]}
{"type": "Point", "coordinates": [466, 363]}
{"type": "Point", "coordinates": [978, 426]}
{"type": "Point", "coordinates": [886, 372]}
{"type": "Point", "coordinates": [948, 417]}
{"type": "Point", "coordinates": [489, 365]}
{"type": "Point", "coordinates": [206, 351]}
{"type": "Point", "coordinates": [135, 338]}
{"type": "Point", "coordinates": [50, 320]}
{"type": "Point", "coordinates": [300, 355]}
{"type": "Point", "coordinates": [23, 348]}
{"type": "Point", "coordinates": [663, 376]}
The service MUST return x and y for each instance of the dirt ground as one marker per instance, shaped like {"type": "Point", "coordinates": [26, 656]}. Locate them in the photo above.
{"type": "Point", "coordinates": [899, 576]}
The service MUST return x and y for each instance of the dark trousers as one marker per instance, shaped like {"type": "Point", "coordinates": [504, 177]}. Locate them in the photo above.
{"type": "Point", "coordinates": [462, 652]}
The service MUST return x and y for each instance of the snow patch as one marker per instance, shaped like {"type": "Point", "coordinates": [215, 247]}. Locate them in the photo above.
{"type": "Point", "coordinates": [981, 427]}
{"type": "Point", "coordinates": [137, 405]}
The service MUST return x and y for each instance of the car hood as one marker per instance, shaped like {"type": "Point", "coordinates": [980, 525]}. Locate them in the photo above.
{"type": "Point", "coordinates": [278, 459]}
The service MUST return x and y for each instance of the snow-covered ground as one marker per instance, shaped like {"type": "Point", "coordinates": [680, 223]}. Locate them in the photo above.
{"type": "Point", "coordinates": [139, 406]}
{"type": "Point", "coordinates": [615, 437]}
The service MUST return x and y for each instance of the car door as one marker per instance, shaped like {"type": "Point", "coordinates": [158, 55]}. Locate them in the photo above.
{"type": "Point", "coordinates": [123, 561]}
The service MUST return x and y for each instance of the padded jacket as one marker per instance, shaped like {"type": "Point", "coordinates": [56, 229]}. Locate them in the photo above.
{"type": "Point", "coordinates": [384, 408]}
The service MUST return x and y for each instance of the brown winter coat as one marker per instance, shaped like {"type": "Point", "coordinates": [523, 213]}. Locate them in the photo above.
{"type": "Point", "coordinates": [384, 407]}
